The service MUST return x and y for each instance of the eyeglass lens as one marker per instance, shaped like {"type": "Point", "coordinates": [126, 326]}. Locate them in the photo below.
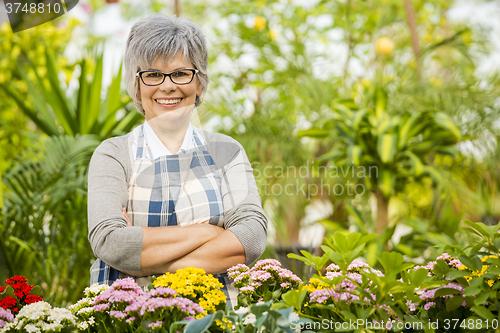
{"type": "Point", "coordinates": [177, 77]}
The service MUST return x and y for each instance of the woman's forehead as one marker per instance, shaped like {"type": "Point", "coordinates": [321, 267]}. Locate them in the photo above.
{"type": "Point", "coordinates": [164, 62]}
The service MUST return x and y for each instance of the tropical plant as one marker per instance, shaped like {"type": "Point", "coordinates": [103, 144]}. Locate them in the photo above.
{"type": "Point", "coordinates": [388, 151]}
{"type": "Point", "coordinates": [43, 227]}
{"type": "Point", "coordinates": [85, 112]}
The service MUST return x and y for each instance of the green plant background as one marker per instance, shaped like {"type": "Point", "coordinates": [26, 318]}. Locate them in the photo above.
{"type": "Point", "coordinates": [410, 114]}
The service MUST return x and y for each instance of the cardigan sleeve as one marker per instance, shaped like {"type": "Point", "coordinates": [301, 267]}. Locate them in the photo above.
{"type": "Point", "coordinates": [111, 240]}
{"type": "Point", "coordinates": [243, 213]}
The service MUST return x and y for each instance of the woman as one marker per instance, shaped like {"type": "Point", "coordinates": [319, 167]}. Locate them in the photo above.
{"type": "Point", "coordinates": [169, 195]}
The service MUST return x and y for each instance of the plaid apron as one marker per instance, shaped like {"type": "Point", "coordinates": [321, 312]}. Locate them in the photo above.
{"type": "Point", "coordinates": [179, 189]}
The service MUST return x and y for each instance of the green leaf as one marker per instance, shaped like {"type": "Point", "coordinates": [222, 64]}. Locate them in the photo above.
{"type": "Point", "coordinates": [386, 182]}
{"type": "Point", "coordinates": [386, 147]}
{"type": "Point", "coordinates": [444, 121]}
{"type": "Point", "coordinates": [417, 167]}
{"type": "Point", "coordinates": [457, 274]}
{"type": "Point", "coordinates": [481, 298]}
{"type": "Point", "coordinates": [419, 277]}
{"type": "Point", "coordinates": [380, 102]}
{"type": "Point", "coordinates": [483, 312]}
{"type": "Point", "coordinates": [295, 298]}
{"type": "Point", "coordinates": [259, 309]}
{"type": "Point", "coordinates": [36, 290]}
{"type": "Point", "coordinates": [454, 303]}
{"type": "Point", "coordinates": [405, 130]}
{"type": "Point", "coordinates": [355, 153]}
{"type": "Point", "coordinates": [441, 268]}
{"type": "Point", "coordinates": [470, 291]}
{"type": "Point", "coordinates": [446, 292]}
{"type": "Point", "coordinates": [200, 325]}
{"type": "Point", "coordinates": [313, 133]}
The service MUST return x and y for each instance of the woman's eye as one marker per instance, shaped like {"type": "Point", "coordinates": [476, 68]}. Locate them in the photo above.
{"type": "Point", "coordinates": [181, 74]}
{"type": "Point", "coordinates": [153, 74]}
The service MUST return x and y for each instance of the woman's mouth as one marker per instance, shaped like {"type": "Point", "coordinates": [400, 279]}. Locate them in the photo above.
{"type": "Point", "coordinates": [168, 103]}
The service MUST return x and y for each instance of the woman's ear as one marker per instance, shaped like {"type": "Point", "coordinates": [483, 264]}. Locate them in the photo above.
{"type": "Point", "coordinates": [199, 88]}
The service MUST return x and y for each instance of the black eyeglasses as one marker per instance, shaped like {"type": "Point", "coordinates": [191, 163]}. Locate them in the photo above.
{"type": "Point", "coordinates": [155, 78]}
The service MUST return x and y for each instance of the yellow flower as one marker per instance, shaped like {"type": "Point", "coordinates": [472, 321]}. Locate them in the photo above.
{"type": "Point", "coordinates": [384, 45]}
{"type": "Point", "coordinates": [224, 324]}
{"type": "Point", "coordinates": [195, 284]}
{"type": "Point", "coordinates": [259, 23]}
{"type": "Point", "coordinates": [273, 34]}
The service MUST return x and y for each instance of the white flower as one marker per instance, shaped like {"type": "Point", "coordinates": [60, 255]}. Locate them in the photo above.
{"type": "Point", "coordinates": [31, 328]}
{"type": "Point", "coordinates": [242, 310]}
{"type": "Point", "coordinates": [83, 325]}
{"type": "Point", "coordinates": [249, 319]}
{"type": "Point", "coordinates": [91, 321]}
{"type": "Point", "coordinates": [293, 317]}
{"type": "Point", "coordinates": [95, 290]}
{"type": "Point", "coordinates": [59, 314]}
{"type": "Point", "coordinates": [85, 310]}
{"type": "Point", "coordinates": [47, 327]}
{"type": "Point", "coordinates": [84, 302]}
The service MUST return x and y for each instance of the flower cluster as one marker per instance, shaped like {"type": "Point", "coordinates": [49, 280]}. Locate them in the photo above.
{"type": "Point", "coordinates": [321, 292]}
{"type": "Point", "coordinates": [84, 310]}
{"type": "Point", "coordinates": [41, 317]}
{"type": "Point", "coordinates": [194, 284]}
{"type": "Point", "coordinates": [125, 306]}
{"type": "Point", "coordinates": [449, 260]}
{"type": "Point", "coordinates": [265, 276]}
{"type": "Point", "coordinates": [484, 268]}
{"type": "Point", "coordinates": [5, 317]}
{"type": "Point", "coordinates": [18, 293]}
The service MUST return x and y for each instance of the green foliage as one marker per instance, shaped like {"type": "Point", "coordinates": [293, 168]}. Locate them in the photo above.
{"type": "Point", "coordinates": [44, 228]}
{"type": "Point", "coordinates": [271, 317]}
{"type": "Point", "coordinates": [85, 113]}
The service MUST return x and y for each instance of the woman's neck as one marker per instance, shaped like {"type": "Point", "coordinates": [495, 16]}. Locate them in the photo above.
{"type": "Point", "coordinates": [171, 137]}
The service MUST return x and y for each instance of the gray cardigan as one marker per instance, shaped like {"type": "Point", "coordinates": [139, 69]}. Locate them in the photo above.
{"type": "Point", "coordinates": [109, 172]}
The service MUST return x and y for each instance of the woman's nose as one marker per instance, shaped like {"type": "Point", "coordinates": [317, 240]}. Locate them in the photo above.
{"type": "Point", "coordinates": [168, 85]}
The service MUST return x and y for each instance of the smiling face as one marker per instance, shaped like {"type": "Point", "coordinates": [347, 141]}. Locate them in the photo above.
{"type": "Point", "coordinates": [171, 101]}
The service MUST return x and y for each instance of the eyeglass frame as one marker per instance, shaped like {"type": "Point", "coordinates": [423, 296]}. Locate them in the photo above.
{"type": "Point", "coordinates": [139, 74]}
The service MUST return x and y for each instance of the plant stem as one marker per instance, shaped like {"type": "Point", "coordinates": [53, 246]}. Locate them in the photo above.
{"type": "Point", "coordinates": [412, 24]}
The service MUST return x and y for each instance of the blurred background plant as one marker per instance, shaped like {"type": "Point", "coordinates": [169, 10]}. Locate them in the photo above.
{"type": "Point", "coordinates": [308, 88]}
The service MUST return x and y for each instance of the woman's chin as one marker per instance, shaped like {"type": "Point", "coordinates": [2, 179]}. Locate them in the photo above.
{"type": "Point", "coordinates": [168, 116]}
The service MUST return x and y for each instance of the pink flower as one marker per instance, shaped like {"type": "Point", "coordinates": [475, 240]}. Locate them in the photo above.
{"type": "Point", "coordinates": [101, 307]}
{"type": "Point", "coordinates": [443, 256]}
{"type": "Point", "coordinates": [333, 268]}
{"type": "Point", "coordinates": [6, 314]}
{"type": "Point", "coordinates": [156, 324]}
{"type": "Point", "coordinates": [265, 262]}
{"type": "Point", "coordinates": [427, 306]}
{"type": "Point", "coordinates": [163, 292]}
{"type": "Point", "coordinates": [117, 314]}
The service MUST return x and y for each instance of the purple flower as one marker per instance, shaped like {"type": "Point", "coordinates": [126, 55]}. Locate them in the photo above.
{"type": "Point", "coordinates": [265, 262]}
{"type": "Point", "coordinates": [129, 320]}
{"type": "Point", "coordinates": [117, 314]}
{"type": "Point", "coordinates": [163, 292]}
{"type": "Point", "coordinates": [156, 324]}
{"type": "Point", "coordinates": [411, 306]}
{"type": "Point", "coordinates": [6, 314]}
{"type": "Point", "coordinates": [427, 306]}
{"type": "Point", "coordinates": [443, 256]}
{"type": "Point", "coordinates": [101, 307]}
{"type": "Point", "coordinates": [333, 268]}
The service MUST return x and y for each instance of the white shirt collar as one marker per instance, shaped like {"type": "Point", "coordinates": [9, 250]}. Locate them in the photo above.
{"type": "Point", "coordinates": [158, 148]}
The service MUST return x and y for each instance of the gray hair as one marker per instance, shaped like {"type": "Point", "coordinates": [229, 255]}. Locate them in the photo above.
{"type": "Point", "coordinates": [159, 35]}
